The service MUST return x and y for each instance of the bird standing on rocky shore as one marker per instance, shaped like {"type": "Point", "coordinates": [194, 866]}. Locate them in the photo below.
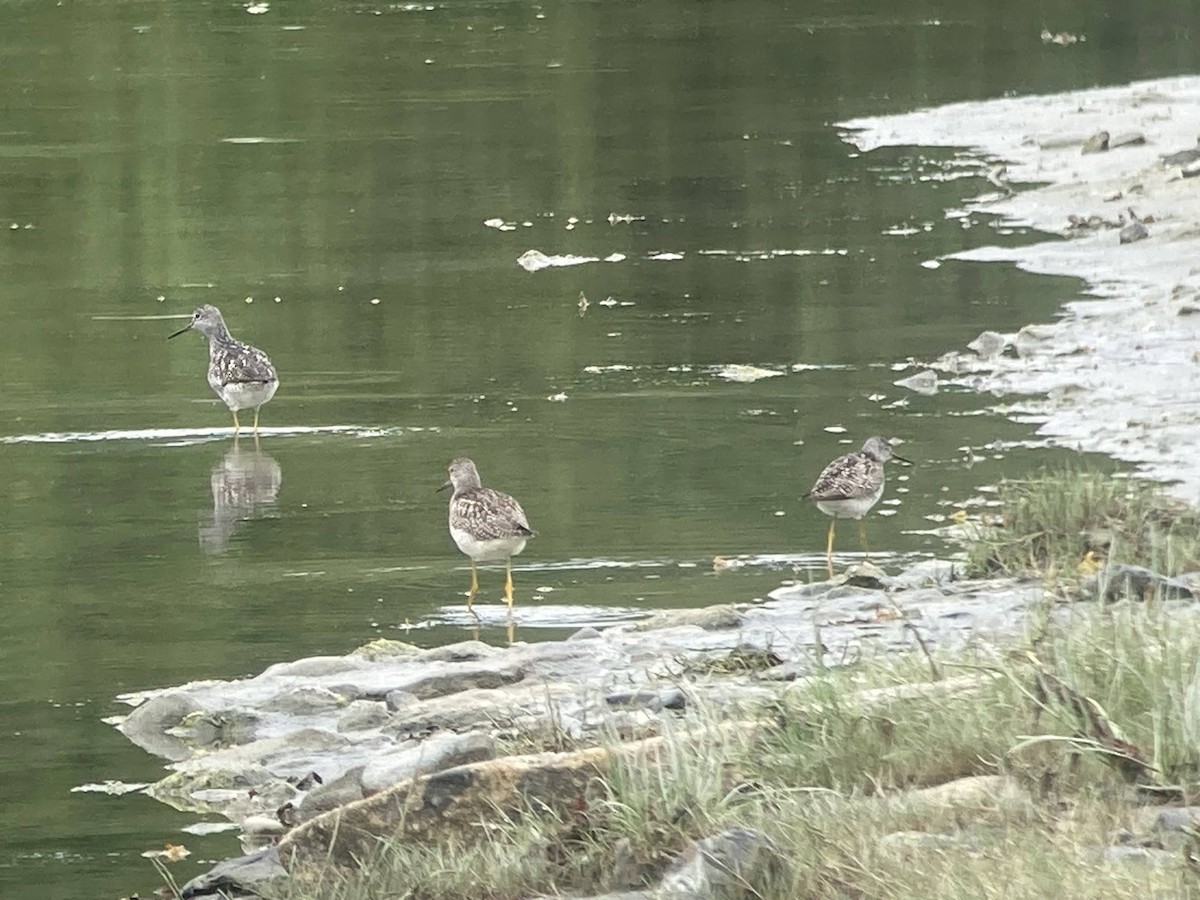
{"type": "Point", "coordinates": [849, 486]}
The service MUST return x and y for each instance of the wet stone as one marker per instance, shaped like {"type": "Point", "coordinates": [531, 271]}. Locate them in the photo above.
{"type": "Point", "coordinates": [397, 700]}
{"type": "Point", "coordinates": [306, 700]}
{"type": "Point", "coordinates": [363, 715]}
{"type": "Point", "coordinates": [329, 796]}
{"type": "Point", "coordinates": [709, 618]}
{"type": "Point", "coordinates": [463, 651]}
{"type": "Point", "coordinates": [440, 751]}
{"type": "Point", "coordinates": [256, 873]}
{"type": "Point", "coordinates": [671, 698]}
{"type": "Point", "coordinates": [1181, 818]}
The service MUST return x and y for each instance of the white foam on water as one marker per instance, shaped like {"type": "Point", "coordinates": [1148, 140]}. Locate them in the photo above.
{"type": "Point", "coordinates": [181, 437]}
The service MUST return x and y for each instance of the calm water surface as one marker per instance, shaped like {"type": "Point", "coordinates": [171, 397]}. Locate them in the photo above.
{"type": "Point", "coordinates": [353, 184]}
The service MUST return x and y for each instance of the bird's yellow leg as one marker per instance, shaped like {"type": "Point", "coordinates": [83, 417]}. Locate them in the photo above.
{"type": "Point", "coordinates": [829, 547]}
{"type": "Point", "coordinates": [510, 629]}
{"type": "Point", "coordinates": [508, 585]}
{"type": "Point", "coordinates": [256, 421]}
{"type": "Point", "coordinates": [474, 587]}
{"type": "Point", "coordinates": [236, 425]}
{"type": "Point", "coordinates": [862, 536]}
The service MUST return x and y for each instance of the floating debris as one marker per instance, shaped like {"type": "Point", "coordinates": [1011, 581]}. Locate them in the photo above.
{"type": "Point", "coordinates": [560, 397]}
{"type": "Point", "coordinates": [583, 304]}
{"type": "Point", "coordinates": [743, 374]}
{"type": "Point", "coordinates": [110, 787]}
{"type": "Point", "coordinates": [1062, 38]}
{"type": "Point", "coordinates": [535, 260]}
{"type": "Point", "coordinates": [170, 853]}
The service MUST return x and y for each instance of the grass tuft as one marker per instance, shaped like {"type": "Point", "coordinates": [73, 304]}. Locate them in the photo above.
{"type": "Point", "coordinates": [1061, 523]}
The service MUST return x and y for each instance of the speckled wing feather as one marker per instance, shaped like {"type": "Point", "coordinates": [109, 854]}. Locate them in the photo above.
{"type": "Point", "coordinates": [489, 514]}
{"type": "Point", "coordinates": [847, 477]}
{"type": "Point", "coordinates": [238, 363]}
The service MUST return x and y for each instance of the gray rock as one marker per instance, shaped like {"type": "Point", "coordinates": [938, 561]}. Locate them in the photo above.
{"type": "Point", "coordinates": [148, 725]}
{"type": "Point", "coordinates": [384, 648]}
{"type": "Point", "coordinates": [667, 698]}
{"type": "Point", "coordinates": [440, 751]}
{"type": "Point", "coordinates": [329, 796]}
{"type": "Point", "coordinates": [463, 651]}
{"type": "Point", "coordinates": [1097, 143]}
{"type": "Point", "coordinates": [254, 873]}
{"type": "Point", "coordinates": [1191, 170]}
{"type": "Point", "coordinates": [708, 618]}
{"type": "Point", "coordinates": [454, 679]}
{"type": "Point", "coordinates": [397, 700]}
{"type": "Point", "coordinates": [1126, 139]}
{"type": "Point", "coordinates": [1133, 231]}
{"type": "Point", "coordinates": [305, 700]}
{"type": "Point", "coordinates": [924, 382]}
{"type": "Point", "coordinates": [222, 728]}
{"type": "Point", "coordinates": [865, 575]}
{"type": "Point", "coordinates": [313, 667]}
{"type": "Point", "coordinates": [1121, 582]}
{"type": "Point", "coordinates": [1179, 818]}
{"type": "Point", "coordinates": [363, 715]}
{"type": "Point", "coordinates": [737, 864]}
{"type": "Point", "coordinates": [989, 344]}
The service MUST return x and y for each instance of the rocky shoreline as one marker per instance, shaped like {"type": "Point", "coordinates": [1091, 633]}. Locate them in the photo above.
{"type": "Point", "coordinates": [320, 755]}
{"type": "Point", "coordinates": [314, 759]}
{"type": "Point", "coordinates": [1115, 372]}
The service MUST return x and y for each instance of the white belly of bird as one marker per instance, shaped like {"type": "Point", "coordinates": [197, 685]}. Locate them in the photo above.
{"type": "Point", "coordinates": [492, 550]}
{"type": "Point", "coordinates": [246, 394]}
{"type": "Point", "coordinates": [854, 508]}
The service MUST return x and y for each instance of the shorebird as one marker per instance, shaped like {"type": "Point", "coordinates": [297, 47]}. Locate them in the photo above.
{"type": "Point", "coordinates": [487, 525]}
{"type": "Point", "coordinates": [240, 375]}
{"type": "Point", "coordinates": [849, 486]}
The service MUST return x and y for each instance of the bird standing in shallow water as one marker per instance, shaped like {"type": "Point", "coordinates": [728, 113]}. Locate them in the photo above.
{"type": "Point", "coordinates": [240, 375]}
{"type": "Point", "coordinates": [850, 485]}
{"type": "Point", "coordinates": [486, 524]}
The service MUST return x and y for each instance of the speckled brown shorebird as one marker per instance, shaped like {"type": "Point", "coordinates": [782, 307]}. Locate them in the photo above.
{"type": "Point", "coordinates": [849, 486]}
{"type": "Point", "coordinates": [487, 525]}
{"type": "Point", "coordinates": [241, 375]}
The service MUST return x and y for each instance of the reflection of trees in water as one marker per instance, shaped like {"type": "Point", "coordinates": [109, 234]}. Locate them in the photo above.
{"type": "Point", "coordinates": [245, 484]}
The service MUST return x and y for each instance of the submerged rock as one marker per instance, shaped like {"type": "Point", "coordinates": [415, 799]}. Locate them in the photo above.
{"type": "Point", "coordinates": [989, 344]}
{"type": "Point", "coordinates": [708, 617]}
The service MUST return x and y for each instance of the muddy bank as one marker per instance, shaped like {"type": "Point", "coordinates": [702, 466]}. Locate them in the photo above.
{"type": "Point", "coordinates": [1117, 372]}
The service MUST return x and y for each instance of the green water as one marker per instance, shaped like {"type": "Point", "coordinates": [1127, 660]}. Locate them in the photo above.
{"type": "Point", "coordinates": [324, 172]}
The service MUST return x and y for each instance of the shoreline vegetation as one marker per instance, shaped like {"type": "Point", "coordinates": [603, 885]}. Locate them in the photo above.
{"type": "Point", "coordinates": [1064, 765]}
{"type": "Point", "coordinates": [1064, 760]}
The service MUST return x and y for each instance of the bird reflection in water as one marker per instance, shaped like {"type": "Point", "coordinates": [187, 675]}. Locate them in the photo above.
{"type": "Point", "coordinates": [245, 484]}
